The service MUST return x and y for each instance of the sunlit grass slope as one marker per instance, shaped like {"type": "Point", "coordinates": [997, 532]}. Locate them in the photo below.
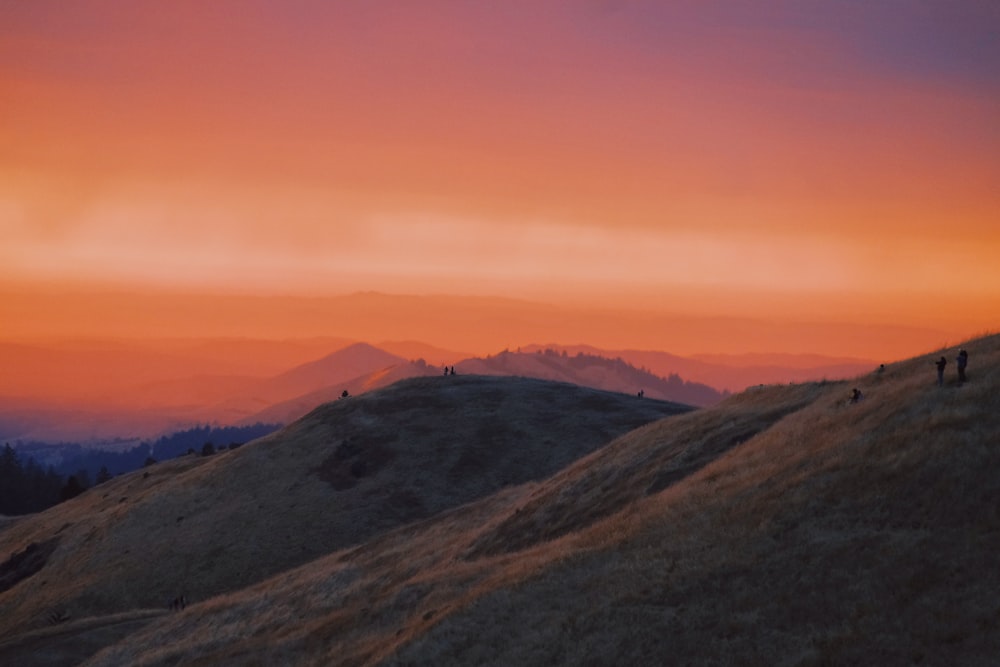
{"type": "Point", "coordinates": [200, 526]}
{"type": "Point", "coordinates": [785, 526]}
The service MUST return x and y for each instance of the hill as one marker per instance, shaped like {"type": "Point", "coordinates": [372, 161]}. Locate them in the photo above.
{"type": "Point", "coordinates": [347, 472]}
{"type": "Point", "coordinates": [340, 366]}
{"type": "Point", "coordinates": [591, 370]}
{"type": "Point", "coordinates": [784, 526]}
{"type": "Point", "coordinates": [219, 394]}
{"type": "Point", "coordinates": [285, 412]}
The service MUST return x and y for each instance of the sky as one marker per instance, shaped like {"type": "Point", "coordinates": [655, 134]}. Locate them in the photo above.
{"type": "Point", "coordinates": [804, 161]}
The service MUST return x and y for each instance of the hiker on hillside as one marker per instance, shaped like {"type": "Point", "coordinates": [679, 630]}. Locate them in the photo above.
{"type": "Point", "coordinates": [962, 360]}
{"type": "Point", "coordinates": [941, 363]}
{"type": "Point", "coordinates": [856, 395]}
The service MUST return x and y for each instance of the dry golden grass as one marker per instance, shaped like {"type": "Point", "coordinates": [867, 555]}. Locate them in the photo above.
{"type": "Point", "coordinates": [349, 471]}
{"type": "Point", "coordinates": [783, 527]}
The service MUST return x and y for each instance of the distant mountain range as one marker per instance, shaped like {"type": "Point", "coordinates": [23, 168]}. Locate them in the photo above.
{"type": "Point", "coordinates": [106, 390]}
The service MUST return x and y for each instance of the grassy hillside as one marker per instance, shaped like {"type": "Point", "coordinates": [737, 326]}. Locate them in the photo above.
{"type": "Point", "coordinates": [348, 471]}
{"type": "Point", "coordinates": [785, 526]}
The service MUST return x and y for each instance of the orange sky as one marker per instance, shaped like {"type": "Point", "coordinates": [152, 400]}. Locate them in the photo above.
{"type": "Point", "coordinates": [813, 161]}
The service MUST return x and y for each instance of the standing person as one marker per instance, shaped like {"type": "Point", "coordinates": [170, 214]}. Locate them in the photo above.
{"type": "Point", "coordinates": [941, 363]}
{"type": "Point", "coordinates": [962, 360]}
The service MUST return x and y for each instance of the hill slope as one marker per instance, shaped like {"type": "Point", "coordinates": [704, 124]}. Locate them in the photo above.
{"type": "Point", "coordinates": [347, 472]}
{"type": "Point", "coordinates": [785, 526]}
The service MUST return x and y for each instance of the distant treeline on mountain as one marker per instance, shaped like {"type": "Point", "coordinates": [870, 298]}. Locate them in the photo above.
{"type": "Point", "coordinates": [26, 487]}
{"type": "Point", "coordinates": [29, 486]}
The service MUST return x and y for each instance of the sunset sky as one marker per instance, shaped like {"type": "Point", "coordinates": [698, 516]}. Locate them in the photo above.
{"type": "Point", "coordinates": [801, 160]}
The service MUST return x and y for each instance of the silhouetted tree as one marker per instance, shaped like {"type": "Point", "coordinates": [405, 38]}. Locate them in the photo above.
{"type": "Point", "coordinates": [83, 478]}
{"type": "Point", "coordinates": [72, 489]}
{"type": "Point", "coordinates": [11, 482]}
{"type": "Point", "coordinates": [207, 449]}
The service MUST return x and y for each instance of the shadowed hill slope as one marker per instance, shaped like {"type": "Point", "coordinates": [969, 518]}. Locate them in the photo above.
{"type": "Point", "coordinates": [351, 469]}
{"type": "Point", "coordinates": [785, 526]}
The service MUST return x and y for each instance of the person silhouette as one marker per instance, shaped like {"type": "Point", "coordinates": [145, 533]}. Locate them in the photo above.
{"type": "Point", "coordinates": [962, 360]}
{"type": "Point", "coordinates": [941, 363]}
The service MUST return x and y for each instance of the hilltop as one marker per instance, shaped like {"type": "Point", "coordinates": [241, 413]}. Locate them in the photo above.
{"type": "Point", "coordinates": [592, 370]}
{"type": "Point", "coordinates": [347, 472]}
{"type": "Point", "coordinates": [784, 526]}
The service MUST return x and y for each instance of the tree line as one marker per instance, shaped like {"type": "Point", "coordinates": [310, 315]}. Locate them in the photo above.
{"type": "Point", "coordinates": [28, 486]}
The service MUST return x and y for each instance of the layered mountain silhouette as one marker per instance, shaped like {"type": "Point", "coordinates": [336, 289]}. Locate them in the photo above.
{"type": "Point", "coordinates": [581, 369]}
{"type": "Point", "coordinates": [152, 408]}
{"type": "Point", "coordinates": [185, 398]}
{"type": "Point", "coordinates": [414, 525]}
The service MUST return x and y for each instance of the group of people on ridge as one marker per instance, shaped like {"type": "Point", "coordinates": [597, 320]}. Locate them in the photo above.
{"type": "Point", "coordinates": [962, 360]}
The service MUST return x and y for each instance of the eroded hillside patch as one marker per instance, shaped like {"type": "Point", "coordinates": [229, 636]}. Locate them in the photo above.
{"type": "Point", "coordinates": [25, 563]}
